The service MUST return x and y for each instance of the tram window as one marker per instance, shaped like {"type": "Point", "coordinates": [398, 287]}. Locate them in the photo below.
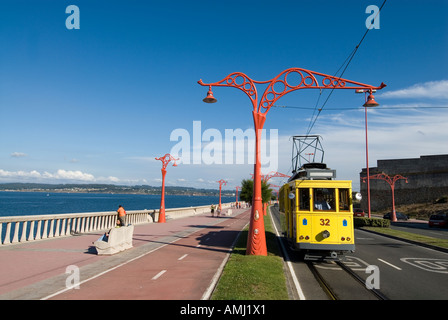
{"type": "Point", "coordinates": [304, 199]}
{"type": "Point", "coordinates": [324, 199]}
{"type": "Point", "coordinates": [344, 200]}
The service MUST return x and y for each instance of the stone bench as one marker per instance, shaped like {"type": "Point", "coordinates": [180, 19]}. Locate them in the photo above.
{"type": "Point", "coordinates": [119, 239]}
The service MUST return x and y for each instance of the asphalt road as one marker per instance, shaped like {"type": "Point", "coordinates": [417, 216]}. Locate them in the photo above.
{"type": "Point", "coordinates": [404, 271]}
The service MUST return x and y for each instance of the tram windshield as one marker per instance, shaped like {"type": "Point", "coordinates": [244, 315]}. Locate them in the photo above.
{"type": "Point", "coordinates": [324, 199]}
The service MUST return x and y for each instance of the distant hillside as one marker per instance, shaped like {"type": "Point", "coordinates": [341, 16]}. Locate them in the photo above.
{"type": "Point", "coordinates": [109, 188]}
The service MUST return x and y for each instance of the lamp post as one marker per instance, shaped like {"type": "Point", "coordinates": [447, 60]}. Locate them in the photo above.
{"type": "Point", "coordinates": [287, 81]}
{"type": "Point", "coordinates": [370, 102]}
{"type": "Point", "coordinates": [391, 182]}
{"type": "Point", "coordinates": [221, 182]}
{"type": "Point", "coordinates": [165, 160]}
{"type": "Point", "coordinates": [237, 188]}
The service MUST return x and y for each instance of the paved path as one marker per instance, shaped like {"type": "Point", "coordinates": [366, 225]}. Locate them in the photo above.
{"type": "Point", "coordinates": [180, 259]}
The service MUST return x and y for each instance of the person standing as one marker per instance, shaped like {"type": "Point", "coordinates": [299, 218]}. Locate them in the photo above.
{"type": "Point", "coordinates": [121, 216]}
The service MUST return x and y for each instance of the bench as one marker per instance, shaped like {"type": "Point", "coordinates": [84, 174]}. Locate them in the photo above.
{"type": "Point", "coordinates": [119, 240]}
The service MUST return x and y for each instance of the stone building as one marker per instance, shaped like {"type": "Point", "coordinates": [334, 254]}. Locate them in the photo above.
{"type": "Point", "coordinates": [427, 181]}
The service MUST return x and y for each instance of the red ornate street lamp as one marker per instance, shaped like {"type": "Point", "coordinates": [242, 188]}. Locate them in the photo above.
{"type": "Point", "coordinates": [287, 81]}
{"type": "Point", "coordinates": [237, 188]}
{"type": "Point", "coordinates": [391, 182]}
{"type": "Point", "coordinates": [221, 182]}
{"type": "Point", "coordinates": [370, 102]}
{"type": "Point", "coordinates": [165, 160]}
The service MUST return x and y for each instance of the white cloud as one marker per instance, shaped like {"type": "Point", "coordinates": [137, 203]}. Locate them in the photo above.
{"type": "Point", "coordinates": [59, 176]}
{"type": "Point", "coordinates": [19, 174]}
{"type": "Point", "coordinates": [110, 179]}
{"type": "Point", "coordinates": [72, 175]}
{"type": "Point", "coordinates": [431, 90]}
{"type": "Point", "coordinates": [18, 155]}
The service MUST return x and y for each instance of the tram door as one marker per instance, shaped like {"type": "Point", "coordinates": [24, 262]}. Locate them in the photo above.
{"type": "Point", "coordinates": [292, 215]}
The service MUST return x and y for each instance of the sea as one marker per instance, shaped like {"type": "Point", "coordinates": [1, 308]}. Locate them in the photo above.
{"type": "Point", "coordinates": [40, 203]}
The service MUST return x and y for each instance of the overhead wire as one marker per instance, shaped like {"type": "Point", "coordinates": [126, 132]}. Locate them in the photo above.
{"type": "Point", "coordinates": [349, 58]}
{"type": "Point", "coordinates": [347, 62]}
{"type": "Point", "coordinates": [361, 108]}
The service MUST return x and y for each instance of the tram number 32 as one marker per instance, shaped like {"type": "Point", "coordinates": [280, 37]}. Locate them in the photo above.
{"type": "Point", "coordinates": [324, 222]}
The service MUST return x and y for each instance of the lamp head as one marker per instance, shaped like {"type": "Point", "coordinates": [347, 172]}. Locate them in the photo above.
{"type": "Point", "coordinates": [371, 101]}
{"type": "Point", "coordinates": [210, 98]}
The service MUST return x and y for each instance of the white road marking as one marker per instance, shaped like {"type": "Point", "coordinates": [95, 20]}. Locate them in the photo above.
{"type": "Point", "coordinates": [390, 264]}
{"type": "Point", "coordinates": [428, 264]}
{"type": "Point", "coordinates": [289, 264]}
{"type": "Point", "coordinates": [183, 256]}
{"type": "Point", "coordinates": [157, 276]}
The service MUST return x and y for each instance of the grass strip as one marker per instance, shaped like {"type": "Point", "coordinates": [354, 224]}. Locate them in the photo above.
{"type": "Point", "coordinates": [410, 236]}
{"type": "Point", "coordinates": [247, 277]}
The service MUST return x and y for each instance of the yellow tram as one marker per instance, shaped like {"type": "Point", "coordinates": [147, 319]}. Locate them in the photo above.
{"type": "Point", "coordinates": [318, 212]}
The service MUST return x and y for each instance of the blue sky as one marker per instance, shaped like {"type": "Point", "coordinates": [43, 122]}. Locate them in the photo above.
{"type": "Point", "coordinates": [99, 103]}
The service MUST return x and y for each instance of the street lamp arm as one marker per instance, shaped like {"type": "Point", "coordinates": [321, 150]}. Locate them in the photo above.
{"type": "Point", "coordinates": [298, 78]}
{"type": "Point", "coordinates": [240, 81]}
{"type": "Point", "coordinates": [166, 159]}
{"type": "Point", "coordinates": [222, 182]}
{"type": "Point", "coordinates": [274, 174]}
{"type": "Point", "coordinates": [385, 177]}
{"type": "Point", "coordinates": [287, 81]}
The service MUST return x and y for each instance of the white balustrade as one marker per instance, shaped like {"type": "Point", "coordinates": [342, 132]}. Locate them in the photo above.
{"type": "Point", "coordinates": [20, 229]}
{"type": "Point", "coordinates": [31, 228]}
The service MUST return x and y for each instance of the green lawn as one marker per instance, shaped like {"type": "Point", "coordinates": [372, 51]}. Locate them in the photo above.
{"type": "Point", "coordinates": [248, 277]}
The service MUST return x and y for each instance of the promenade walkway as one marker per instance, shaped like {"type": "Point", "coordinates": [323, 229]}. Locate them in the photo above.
{"type": "Point", "coordinates": [177, 260]}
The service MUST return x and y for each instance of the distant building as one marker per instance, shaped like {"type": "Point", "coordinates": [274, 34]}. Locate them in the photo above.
{"type": "Point", "coordinates": [427, 181]}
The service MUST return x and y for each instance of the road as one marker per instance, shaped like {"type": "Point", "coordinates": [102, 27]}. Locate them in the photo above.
{"type": "Point", "coordinates": [405, 271]}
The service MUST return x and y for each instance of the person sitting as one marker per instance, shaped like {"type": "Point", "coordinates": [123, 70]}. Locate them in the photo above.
{"type": "Point", "coordinates": [320, 203]}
